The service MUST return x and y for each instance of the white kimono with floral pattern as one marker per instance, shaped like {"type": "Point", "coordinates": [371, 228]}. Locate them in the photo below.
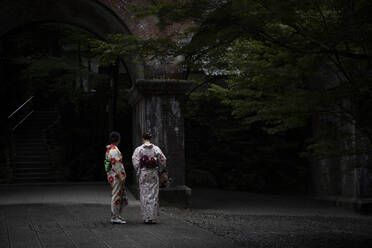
{"type": "Point", "coordinates": [116, 177]}
{"type": "Point", "coordinates": [148, 180]}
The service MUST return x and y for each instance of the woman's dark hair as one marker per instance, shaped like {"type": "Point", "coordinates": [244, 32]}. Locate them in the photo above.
{"type": "Point", "coordinates": [114, 137]}
{"type": "Point", "coordinates": [147, 136]}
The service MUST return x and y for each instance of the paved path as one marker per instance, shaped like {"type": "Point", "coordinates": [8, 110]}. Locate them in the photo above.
{"type": "Point", "coordinates": [239, 202]}
{"type": "Point", "coordinates": [258, 220]}
{"type": "Point", "coordinates": [73, 193]}
{"type": "Point", "coordinates": [77, 215]}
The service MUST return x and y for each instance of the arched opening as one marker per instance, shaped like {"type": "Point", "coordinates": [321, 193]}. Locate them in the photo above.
{"type": "Point", "coordinates": [156, 104]}
{"type": "Point", "coordinates": [40, 52]}
{"type": "Point", "coordinates": [76, 102]}
{"type": "Point", "coordinates": [90, 15]}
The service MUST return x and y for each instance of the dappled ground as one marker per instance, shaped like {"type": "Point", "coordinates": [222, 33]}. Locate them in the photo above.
{"type": "Point", "coordinates": [76, 215]}
{"type": "Point", "coordinates": [87, 225]}
{"type": "Point", "coordinates": [252, 220]}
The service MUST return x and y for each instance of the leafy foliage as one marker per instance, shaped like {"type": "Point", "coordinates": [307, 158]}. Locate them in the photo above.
{"type": "Point", "coordinates": [288, 63]}
{"type": "Point", "coordinates": [222, 151]}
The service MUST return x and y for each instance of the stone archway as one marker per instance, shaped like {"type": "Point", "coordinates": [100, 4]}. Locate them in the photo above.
{"type": "Point", "coordinates": [90, 15]}
{"type": "Point", "coordinates": [157, 104]}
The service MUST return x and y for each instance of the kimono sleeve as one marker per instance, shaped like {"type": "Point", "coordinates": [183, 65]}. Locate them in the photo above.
{"type": "Point", "coordinates": [136, 160]}
{"type": "Point", "coordinates": [117, 163]}
{"type": "Point", "coordinates": [161, 158]}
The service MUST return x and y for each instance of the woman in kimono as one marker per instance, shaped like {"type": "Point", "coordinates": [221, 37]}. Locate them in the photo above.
{"type": "Point", "coordinates": [116, 176]}
{"type": "Point", "coordinates": [148, 160]}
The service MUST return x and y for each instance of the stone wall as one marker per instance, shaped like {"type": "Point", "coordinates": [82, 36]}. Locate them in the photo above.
{"type": "Point", "coordinates": [344, 181]}
{"type": "Point", "coordinates": [158, 108]}
{"type": "Point", "coordinates": [144, 27]}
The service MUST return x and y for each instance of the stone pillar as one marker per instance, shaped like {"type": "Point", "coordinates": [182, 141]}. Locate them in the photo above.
{"type": "Point", "coordinates": [345, 181]}
{"type": "Point", "coordinates": [157, 107]}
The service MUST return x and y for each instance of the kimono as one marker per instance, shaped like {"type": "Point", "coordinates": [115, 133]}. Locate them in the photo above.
{"type": "Point", "coordinates": [148, 180]}
{"type": "Point", "coordinates": [116, 177]}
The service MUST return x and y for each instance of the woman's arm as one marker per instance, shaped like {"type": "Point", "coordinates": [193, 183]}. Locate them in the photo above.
{"type": "Point", "coordinates": [117, 163]}
{"type": "Point", "coordinates": [136, 160]}
{"type": "Point", "coordinates": [161, 158]}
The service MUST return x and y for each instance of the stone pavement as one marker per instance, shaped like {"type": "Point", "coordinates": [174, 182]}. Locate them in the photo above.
{"type": "Point", "coordinates": [263, 220]}
{"type": "Point", "coordinates": [70, 193]}
{"type": "Point", "coordinates": [77, 215]}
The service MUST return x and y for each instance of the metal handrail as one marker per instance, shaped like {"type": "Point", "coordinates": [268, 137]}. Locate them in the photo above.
{"type": "Point", "coordinates": [19, 123]}
{"type": "Point", "coordinates": [13, 118]}
{"type": "Point", "coordinates": [20, 107]}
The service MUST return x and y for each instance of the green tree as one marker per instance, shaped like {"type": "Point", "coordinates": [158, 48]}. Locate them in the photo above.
{"type": "Point", "coordinates": [286, 62]}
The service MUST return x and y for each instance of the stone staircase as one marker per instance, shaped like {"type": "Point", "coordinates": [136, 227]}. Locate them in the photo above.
{"type": "Point", "coordinates": [32, 159]}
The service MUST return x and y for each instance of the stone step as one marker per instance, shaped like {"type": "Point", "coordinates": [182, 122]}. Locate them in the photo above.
{"type": "Point", "coordinates": [31, 148]}
{"type": "Point", "coordinates": [29, 143]}
{"type": "Point", "coordinates": [32, 158]}
{"type": "Point", "coordinates": [28, 139]}
{"type": "Point", "coordinates": [29, 131]}
{"type": "Point", "coordinates": [39, 164]}
{"type": "Point", "coordinates": [29, 161]}
{"type": "Point", "coordinates": [35, 155]}
{"type": "Point", "coordinates": [29, 134]}
{"type": "Point", "coordinates": [34, 123]}
{"type": "Point", "coordinates": [29, 152]}
{"type": "Point", "coordinates": [33, 168]}
{"type": "Point", "coordinates": [24, 129]}
{"type": "Point", "coordinates": [44, 113]}
{"type": "Point", "coordinates": [39, 140]}
{"type": "Point", "coordinates": [40, 174]}
{"type": "Point", "coordinates": [34, 179]}
{"type": "Point", "coordinates": [41, 118]}
{"type": "Point", "coordinates": [30, 173]}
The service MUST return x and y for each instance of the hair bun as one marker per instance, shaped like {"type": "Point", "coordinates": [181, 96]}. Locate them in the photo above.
{"type": "Point", "coordinates": [147, 136]}
{"type": "Point", "coordinates": [114, 137]}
